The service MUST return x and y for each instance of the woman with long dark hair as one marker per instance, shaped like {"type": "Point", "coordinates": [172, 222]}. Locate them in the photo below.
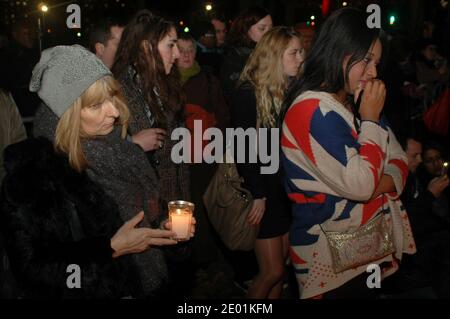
{"type": "Point", "coordinates": [344, 166]}
{"type": "Point", "coordinates": [144, 66]}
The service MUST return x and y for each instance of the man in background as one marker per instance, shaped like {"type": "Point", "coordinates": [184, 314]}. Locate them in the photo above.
{"type": "Point", "coordinates": [104, 39]}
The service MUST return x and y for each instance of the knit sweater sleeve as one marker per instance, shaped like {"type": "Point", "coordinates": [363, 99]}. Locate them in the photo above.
{"type": "Point", "coordinates": [396, 165]}
{"type": "Point", "coordinates": [318, 138]}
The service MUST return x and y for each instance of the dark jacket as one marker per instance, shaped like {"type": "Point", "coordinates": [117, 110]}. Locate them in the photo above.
{"type": "Point", "coordinates": [11, 126]}
{"type": "Point", "coordinates": [204, 90]}
{"type": "Point", "coordinates": [234, 62]}
{"type": "Point", "coordinates": [419, 203]}
{"type": "Point", "coordinates": [52, 217]}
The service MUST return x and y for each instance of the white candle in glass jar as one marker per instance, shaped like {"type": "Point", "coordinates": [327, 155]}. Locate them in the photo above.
{"type": "Point", "coordinates": [181, 222]}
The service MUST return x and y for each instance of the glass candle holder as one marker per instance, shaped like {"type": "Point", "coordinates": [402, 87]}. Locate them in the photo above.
{"type": "Point", "coordinates": [180, 216]}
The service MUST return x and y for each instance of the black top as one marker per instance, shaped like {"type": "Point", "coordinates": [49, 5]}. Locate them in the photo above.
{"type": "Point", "coordinates": [276, 218]}
{"type": "Point", "coordinates": [243, 115]}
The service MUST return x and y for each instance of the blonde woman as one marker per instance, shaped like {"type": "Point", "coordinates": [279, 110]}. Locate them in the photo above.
{"type": "Point", "coordinates": [56, 211]}
{"type": "Point", "coordinates": [276, 59]}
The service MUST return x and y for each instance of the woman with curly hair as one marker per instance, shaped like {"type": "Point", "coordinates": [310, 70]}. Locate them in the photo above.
{"type": "Point", "coordinates": [276, 59]}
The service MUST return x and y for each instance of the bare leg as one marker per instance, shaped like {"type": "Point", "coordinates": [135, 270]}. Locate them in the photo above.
{"type": "Point", "coordinates": [270, 256]}
{"type": "Point", "coordinates": [276, 291]}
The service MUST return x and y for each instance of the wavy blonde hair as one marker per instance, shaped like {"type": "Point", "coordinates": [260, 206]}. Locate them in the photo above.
{"type": "Point", "coordinates": [69, 133]}
{"type": "Point", "coordinates": [264, 70]}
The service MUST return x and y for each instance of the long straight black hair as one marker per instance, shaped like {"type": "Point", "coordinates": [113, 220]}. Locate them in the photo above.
{"type": "Point", "coordinates": [344, 33]}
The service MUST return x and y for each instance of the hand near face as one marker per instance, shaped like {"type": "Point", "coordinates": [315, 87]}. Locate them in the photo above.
{"type": "Point", "coordinates": [372, 101]}
{"type": "Point", "coordinates": [437, 185]}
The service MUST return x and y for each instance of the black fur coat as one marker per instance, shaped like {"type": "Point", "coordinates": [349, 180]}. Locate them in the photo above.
{"type": "Point", "coordinates": [51, 217]}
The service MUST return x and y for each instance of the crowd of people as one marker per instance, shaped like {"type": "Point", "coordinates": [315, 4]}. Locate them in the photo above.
{"type": "Point", "coordinates": [90, 186]}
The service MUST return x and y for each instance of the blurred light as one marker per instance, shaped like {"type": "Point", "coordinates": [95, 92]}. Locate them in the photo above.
{"type": "Point", "coordinates": [181, 23]}
{"type": "Point", "coordinates": [308, 23]}
{"type": "Point", "coordinates": [313, 23]}
{"type": "Point", "coordinates": [186, 29]}
{"type": "Point", "coordinates": [313, 17]}
{"type": "Point", "coordinates": [43, 7]}
{"type": "Point", "coordinates": [208, 7]}
{"type": "Point", "coordinates": [392, 20]}
{"type": "Point", "coordinates": [49, 30]}
{"type": "Point", "coordinates": [344, 4]}
{"type": "Point", "coordinates": [79, 34]}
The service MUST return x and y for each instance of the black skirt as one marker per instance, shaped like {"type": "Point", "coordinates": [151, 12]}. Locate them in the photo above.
{"type": "Point", "coordinates": [277, 216]}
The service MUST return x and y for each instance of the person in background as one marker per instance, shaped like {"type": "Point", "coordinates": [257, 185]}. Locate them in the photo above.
{"type": "Point", "coordinates": [423, 201]}
{"type": "Point", "coordinates": [307, 35]}
{"type": "Point", "coordinates": [246, 30]}
{"type": "Point", "coordinates": [11, 127]}
{"type": "Point", "coordinates": [220, 26]}
{"type": "Point", "coordinates": [208, 54]}
{"type": "Point", "coordinates": [432, 70]}
{"type": "Point", "coordinates": [17, 62]}
{"type": "Point", "coordinates": [205, 103]}
{"type": "Point", "coordinates": [433, 173]}
{"type": "Point", "coordinates": [104, 38]}
{"type": "Point", "coordinates": [276, 60]}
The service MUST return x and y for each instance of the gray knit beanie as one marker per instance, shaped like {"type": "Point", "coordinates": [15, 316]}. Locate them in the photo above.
{"type": "Point", "coordinates": [63, 74]}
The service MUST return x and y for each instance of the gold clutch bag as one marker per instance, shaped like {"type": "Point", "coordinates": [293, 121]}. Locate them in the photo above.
{"type": "Point", "coordinates": [369, 242]}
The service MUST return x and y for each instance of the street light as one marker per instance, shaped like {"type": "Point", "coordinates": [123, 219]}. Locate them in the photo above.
{"type": "Point", "coordinates": [208, 7]}
{"type": "Point", "coordinates": [43, 8]}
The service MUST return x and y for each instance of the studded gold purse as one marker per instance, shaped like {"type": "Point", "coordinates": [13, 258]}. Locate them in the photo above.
{"type": "Point", "coordinates": [369, 242]}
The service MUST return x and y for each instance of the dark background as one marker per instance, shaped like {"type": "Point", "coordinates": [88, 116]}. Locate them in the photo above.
{"type": "Point", "coordinates": [410, 14]}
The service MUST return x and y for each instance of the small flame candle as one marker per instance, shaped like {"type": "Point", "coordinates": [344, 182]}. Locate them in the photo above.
{"type": "Point", "coordinates": [180, 214]}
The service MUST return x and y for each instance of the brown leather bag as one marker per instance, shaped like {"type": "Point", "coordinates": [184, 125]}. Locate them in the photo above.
{"type": "Point", "coordinates": [228, 204]}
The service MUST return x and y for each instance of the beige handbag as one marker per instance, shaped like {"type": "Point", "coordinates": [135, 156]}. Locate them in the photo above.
{"type": "Point", "coordinates": [228, 204]}
{"type": "Point", "coordinates": [369, 242]}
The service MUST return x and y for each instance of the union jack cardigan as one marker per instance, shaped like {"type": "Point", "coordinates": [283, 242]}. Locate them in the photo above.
{"type": "Point", "coordinates": [331, 173]}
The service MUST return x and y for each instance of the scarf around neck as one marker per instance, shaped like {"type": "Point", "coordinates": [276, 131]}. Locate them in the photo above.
{"type": "Point", "coordinates": [186, 74]}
